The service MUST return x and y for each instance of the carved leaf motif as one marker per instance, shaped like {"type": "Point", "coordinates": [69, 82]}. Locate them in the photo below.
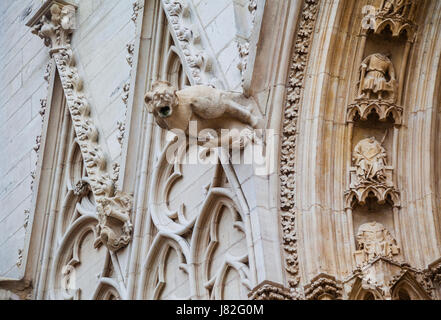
{"type": "Point", "coordinates": [287, 160]}
{"type": "Point", "coordinates": [56, 29]}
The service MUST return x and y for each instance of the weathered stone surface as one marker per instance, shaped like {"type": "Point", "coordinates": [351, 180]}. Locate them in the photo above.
{"type": "Point", "coordinates": [326, 186]}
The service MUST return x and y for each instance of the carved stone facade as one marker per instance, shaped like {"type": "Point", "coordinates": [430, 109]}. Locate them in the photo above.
{"type": "Point", "coordinates": [237, 149]}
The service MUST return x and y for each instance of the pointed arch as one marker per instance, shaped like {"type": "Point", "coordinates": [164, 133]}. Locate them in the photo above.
{"type": "Point", "coordinates": [70, 238]}
{"type": "Point", "coordinates": [408, 288]}
{"type": "Point", "coordinates": [157, 264]}
{"type": "Point", "coordinates": [221, 211]}
{"type": "Point", "coordinates": [358, 292]}
{"type": "Point", "coordinates": [107, 289]}
{"type": "Point", "coordinates": [63, 274]}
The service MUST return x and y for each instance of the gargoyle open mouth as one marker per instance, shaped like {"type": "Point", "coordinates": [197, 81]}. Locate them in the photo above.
{"type": "Point", "coordinates": [165, 111]}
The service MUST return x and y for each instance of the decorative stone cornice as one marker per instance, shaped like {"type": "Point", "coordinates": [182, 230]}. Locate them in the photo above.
{"type": "Point", "coordinates": [399, 18]}
{"type": "Point", "coordinates": [361, 109]}
{"type": "Point", "coordinates": [294, 94]}
{"type": "Point", "coordinates": [54, 23]}
{"type": "Point", "coordinates": [323, 287]}
{"type": "Point", "coordinates": [269, 290]}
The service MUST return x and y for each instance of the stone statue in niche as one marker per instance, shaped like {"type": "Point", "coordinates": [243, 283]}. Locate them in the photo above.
{"type": "Point", "coordinates": [374, 240]}
{"type": "Point", "coordinates": [205, 107]}
{"type": "Point", "coordinates": [377, 78]}
{"type": "Point", "coordinates": [370, 176]}
{"type": "Point", "coordinates": [370, 161]}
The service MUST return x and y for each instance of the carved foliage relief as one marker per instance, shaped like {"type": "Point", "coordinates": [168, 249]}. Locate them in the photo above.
{"type": "Point", "coordinates": [55, 25]}
{"type": "Point", "coordinates": [187, 38]}
{"type": "Point", "coordinates": [288, 148]}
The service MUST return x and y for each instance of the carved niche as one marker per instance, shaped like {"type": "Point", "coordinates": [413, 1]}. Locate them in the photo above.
{"type": "Point", "coordinates": [385, 41]}
{"type": "Point", "coordinates": [377, 90]}
{"type": "Point", "coordinates": [376, 97]}
{"type": "Point", "coordinates": [370, 161]}
{"type": "Point", "coordinates": [377, 79]}
{"type": "Point", "coordinates": [379, 275]}
{"type": "Point", "coordinates": [372, 200]}
{"type": "Point", "coordinates": [370, 173]}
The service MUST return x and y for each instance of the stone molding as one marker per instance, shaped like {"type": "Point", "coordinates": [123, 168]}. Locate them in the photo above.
{"type": "Point", "coordinates": [294, 94]}
{"type": "Point", "coordinates": [54, 23]}
{"type": "Point", "coordinates": [243, 45]}
{"type": "Point", "coordinates": [194, 58]}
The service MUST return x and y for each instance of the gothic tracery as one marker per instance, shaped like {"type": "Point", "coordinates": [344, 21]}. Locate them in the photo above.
{"type": "Point", "coordinates": [344, 93]}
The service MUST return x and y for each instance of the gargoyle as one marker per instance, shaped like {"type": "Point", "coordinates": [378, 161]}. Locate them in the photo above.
{"type": "Point", "coordinates": [208, 108]}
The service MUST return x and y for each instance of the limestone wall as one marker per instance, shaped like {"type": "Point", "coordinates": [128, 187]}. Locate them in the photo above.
{"type": "Point", "coordinates": [93, 200]}
{"type": "Point", "coordinates": [22, 86]}
{"type": "Point", "coordinates": [104, 30]}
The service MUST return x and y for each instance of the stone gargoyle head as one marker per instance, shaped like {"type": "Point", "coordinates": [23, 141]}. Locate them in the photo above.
{"type": "Point", "coordinates": [161, 101]}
